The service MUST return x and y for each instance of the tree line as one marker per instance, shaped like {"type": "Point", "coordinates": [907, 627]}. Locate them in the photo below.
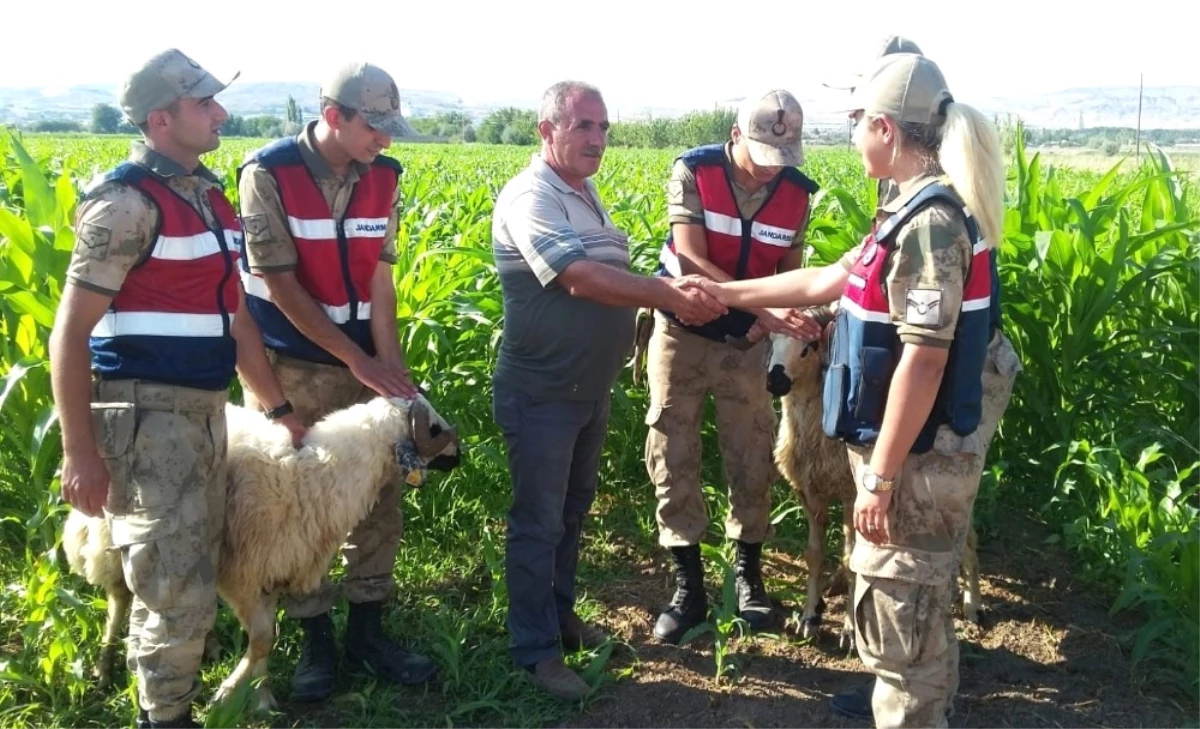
{"type": "Point", "coordinates": [511, 125]}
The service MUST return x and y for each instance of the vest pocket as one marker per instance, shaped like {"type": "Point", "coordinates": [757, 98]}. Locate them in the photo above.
{"type": "Point", "coordinates": [875, 375]}
{"type": "Point", "coordinates": [836, 377]}
{"type": "Point", "coordinates": [832, 398]}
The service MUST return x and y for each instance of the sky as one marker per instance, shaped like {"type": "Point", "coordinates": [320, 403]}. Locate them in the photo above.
{"type": "Point", "coordinates": [640, 53]}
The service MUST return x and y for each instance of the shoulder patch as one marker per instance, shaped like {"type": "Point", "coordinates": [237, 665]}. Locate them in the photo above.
{"type": "Point", "coordinates": [93, 241]}
{"type": "Point", "coordinates": [255, 227]}
{"type": "Point", "coordinates": [923, 307]}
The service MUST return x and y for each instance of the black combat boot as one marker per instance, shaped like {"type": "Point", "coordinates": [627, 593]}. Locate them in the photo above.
{"type": "Point", "coordinates": [753, 604]}
{"type": "Point", "coordinates": [367, 646]}
{"type": "Point", "coordinates": [689, 605]}
{"type": "Point", "coordinates": [316, 671]}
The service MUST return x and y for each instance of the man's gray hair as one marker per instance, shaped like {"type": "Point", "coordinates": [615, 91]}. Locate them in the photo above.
{"type": "Point", "coordinates": [554, 101]}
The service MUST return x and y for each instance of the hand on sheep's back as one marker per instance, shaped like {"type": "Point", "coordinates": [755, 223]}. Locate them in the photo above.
{"type": "Point", "coordinates": [387, 379]}
{"type": "Point", "coordinates": [85, 481]}
{"type": "Point", "coordinates": [295, 426]}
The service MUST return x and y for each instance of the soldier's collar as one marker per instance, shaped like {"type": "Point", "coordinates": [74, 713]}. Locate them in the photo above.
{"type": "Point", "coordinates": [164, 166]}
{"type": "Point", "coordinates": [307, 141]}
{"type": "Point", "coordinates": [907, 192]}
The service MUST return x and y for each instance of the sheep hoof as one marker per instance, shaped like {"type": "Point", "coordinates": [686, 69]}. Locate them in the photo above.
{"type": "Point", "coordinates": [103, 669]}
{"type": "Point", "coordinates": [810, 625]}
{"type": "Point", "coordinates": [846, 640]}
{"type": "Point", "coordinates": [266, 701]}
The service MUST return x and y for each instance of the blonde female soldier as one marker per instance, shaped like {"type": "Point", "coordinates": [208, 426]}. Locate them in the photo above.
{"type": "Point", "coordinates": [919, 374]}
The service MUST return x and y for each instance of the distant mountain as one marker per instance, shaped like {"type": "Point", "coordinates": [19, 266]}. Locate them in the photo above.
{"type": "Point", "coordinates": [244, 99]}
{"type": "Point", "coordinates": [1163, 107]}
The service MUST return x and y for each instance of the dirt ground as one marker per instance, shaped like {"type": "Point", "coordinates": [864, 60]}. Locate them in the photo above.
{"type": "Point", "coordinates": [1045, 656]}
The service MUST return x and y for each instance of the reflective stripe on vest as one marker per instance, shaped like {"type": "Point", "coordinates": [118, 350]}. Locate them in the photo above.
{"type": "Point", "coordinates": [865, 346]}
{"type": "Point", "coordinates": [744, 248]}
{"type": "Point", "coordinates": [336, 258]}
{"type": "Point", "coordinates": [171, 321]}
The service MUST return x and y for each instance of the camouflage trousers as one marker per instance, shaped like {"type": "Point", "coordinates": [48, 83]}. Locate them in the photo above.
{"type": "Point", "coordinates": [165, 451]}
{"type": "Point", "coordinates": [315, 390]}
{"type": "Point", "coordinates": [904, 592]}
{"type": "Point", "coordinates": [682, 368]}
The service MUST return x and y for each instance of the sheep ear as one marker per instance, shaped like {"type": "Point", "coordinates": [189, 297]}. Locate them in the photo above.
{"type": "Point", "coordinates": [419, 427]}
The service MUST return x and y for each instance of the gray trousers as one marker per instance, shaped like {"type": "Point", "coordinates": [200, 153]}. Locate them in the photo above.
{"type": "Point", "coordinates": [553, 457]}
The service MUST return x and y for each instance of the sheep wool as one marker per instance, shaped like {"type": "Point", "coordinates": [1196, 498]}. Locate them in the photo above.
{"type": "Point", "coordinates": [288, 510]}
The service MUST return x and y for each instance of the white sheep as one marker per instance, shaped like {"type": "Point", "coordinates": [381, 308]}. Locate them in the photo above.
{"type": "Point", "coordinates": [818, 469]}
{"type": "Point", "coordinates": [287, 511]}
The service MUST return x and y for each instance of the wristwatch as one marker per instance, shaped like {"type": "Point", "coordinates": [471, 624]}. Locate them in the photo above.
{"type": "Point", "coordinates": [279, 412]}
{"type": "Point", "coordinates": [876, 484]}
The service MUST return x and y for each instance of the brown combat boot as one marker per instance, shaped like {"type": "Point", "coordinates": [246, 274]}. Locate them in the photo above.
{"type": "Point", "coordinates": [553, 677]}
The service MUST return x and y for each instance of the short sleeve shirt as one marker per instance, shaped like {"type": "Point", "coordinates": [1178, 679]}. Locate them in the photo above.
{"type": "Point", "coordinates": [683, 197]}
{"type": "Point", "coordinates": [929, 262]}
{"type": "Point", "coordinates": [116, 223]}
{"type": "Point", "coordinates": [270, 247]}
{"type": "Point", "coordinates": [556, 346]}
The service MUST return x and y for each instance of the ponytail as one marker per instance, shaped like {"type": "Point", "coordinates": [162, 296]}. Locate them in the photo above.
{"type": "Point", "coordinates": [971, 157]}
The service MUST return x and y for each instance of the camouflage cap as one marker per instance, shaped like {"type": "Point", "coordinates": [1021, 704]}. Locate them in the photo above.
{"type": "Point", "coordinates": [771, 124]}
{"type": "Point", "coordinates": [370, 91]}
{"type": "Point", "coordinates": [905, 86]}
{"type": "Point", "coordinates": [162, 80]}
{"type": "Point", "coordinates": [891, 44]}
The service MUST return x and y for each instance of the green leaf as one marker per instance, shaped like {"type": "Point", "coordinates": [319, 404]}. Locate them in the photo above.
{"type": "Point", "coordinates": [39, 198]}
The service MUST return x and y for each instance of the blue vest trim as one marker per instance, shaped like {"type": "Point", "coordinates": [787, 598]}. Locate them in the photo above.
{"type": "Point", "coordinates": [205, 363]}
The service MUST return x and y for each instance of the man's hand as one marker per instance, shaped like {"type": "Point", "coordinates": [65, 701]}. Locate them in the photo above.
{"type": "Point", "coordinates": [870, 515]}
{"type": "Point", "coordinates": [295, 426]}
{"type": "Point", "coordinates": [696, 306]}
{"type": "Point", "coordinates": [389, 381]}
{"type": "Point", "coordinates": [85, 482]}
{"type": "Point", "coordinates": [794, 323]}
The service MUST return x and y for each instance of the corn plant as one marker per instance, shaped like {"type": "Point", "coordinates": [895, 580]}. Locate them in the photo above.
{"type": "Point", "coordinates": [1099, 276]}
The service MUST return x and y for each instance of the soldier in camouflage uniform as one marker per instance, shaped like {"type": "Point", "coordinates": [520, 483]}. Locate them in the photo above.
{"type": "Point", "coordinates": [144, 347]}
{"type": "Point", "coordinates": [917, 419]}
{"type": "Point", "coordinates": [737, 210]}
{"type": "Point", "coordinates": [329, 324]}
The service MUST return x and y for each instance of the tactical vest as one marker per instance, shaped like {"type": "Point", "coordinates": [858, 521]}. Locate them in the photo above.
{"type": "Point", "coordinates": [744, 248]}
{"type": "Point", "coordinates": [336, 257]}
{"type": "Point", "coordinates": [865, 346]}
{"type": "Point", "coordinates": [171, 320]}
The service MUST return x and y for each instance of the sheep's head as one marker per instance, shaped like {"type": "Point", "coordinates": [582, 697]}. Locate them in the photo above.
{"type": "Point", "coordinates": [790, 361]}
{"type": "Point", "coordinates": [430, 442]}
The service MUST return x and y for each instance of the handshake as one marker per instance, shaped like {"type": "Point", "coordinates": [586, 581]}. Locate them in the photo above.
{"type": "Point", "coordinates": [697, 300]}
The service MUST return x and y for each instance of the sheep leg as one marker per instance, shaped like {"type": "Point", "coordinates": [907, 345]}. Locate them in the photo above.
{"type": "Point", "coordinates": [972, 609]}
{"type": "Point", "coordinates": [257, 617]}
{"type": "Point", "coordinates": [814, 556]}
{"type": "Point", "coordinates": [848, 536]}
{"type": "Point", "coordinates": [119, 600]}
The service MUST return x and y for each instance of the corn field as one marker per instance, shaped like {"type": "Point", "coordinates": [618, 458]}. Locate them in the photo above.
{"type": "Point", "coordinates": [1101, 286]}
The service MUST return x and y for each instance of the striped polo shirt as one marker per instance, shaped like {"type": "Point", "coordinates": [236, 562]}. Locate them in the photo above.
{"type": "Point", "coordinates": [556, 346]}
